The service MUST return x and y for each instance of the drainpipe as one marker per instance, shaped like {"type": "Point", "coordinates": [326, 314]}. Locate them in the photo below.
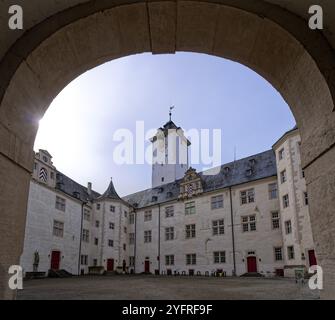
{"type": "Point", "coordinates": [135, 237]}
{"type": "Point", "coordinates": [232, 230]}
{"type": "Point", "coordinates": [159, 238]}
{"type": "Point", "coordinates": [81, 233]}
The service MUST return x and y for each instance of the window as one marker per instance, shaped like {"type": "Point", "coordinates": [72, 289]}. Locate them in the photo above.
{"type": "Point", "coordinates": [190, 208]}
{"type": "Point", "coordinates": [247, 196]}
{"type": "Point", "coordinates": [281, 154]}
{"type": "Point", "coordinates": [124, 247]}
{"type": "Point", "coordinates": [290, 252]}
{"type": "Point", "coordinates": [111, 225]}
{"type": "Point", "coordinates": [147, 236]}
{"type": "Point", "coordinates": [148, 215]}
{"type": "Point", "coordinates": [169, 212]}
{"type": "Point", "coordinates": [288, 227]}
{"type": "Point", "coordinates": [131, 218]}
{"type": "Point", "coordinates": [306, 198]}
{"type": "Point", "coordinates": [286, 201]}
{"type": "Point", "coordinates": [217, 202]}
{"type": "Point", "coordinates": [131, 261]}
{"type": "Point", "coordinates": [131, 238]}
{"type": "Point", "coordinates": [112, 209]}
{"type": "Point", "coordinates": [169, 260]}
{"type": "Point", "coordinates": [96, 241]}
{"type": "Point", "coordinates": [249, 223]}
{"type": "Point", "coordinates": [273, 192]}
{"type": "Point", "coordinates": [303, 173]}
{"type": "Point", "coordinates": [35, 165]}
{"type": "Point", "coordinates": [98, 206]}
{"type": "Point", "coordinates": [169, 233]}
{"type": "Point", "coordinates": [58, 229]}
{"type": "Point", "coordinates": [95, 262]}
{"type": "Point", "coordinates": [60, 203]}
{"type": "Point", "coordinates": [45, 159]}
{"type": "Point", "coordinates": [191, 259]}
{"type": "Point", "coordinates": [125, 229]}
{"type": "Point", "coordinates": [218, 227]}
{"type": "Point", "coordinates": [87, 215]}
{"type": "Point", "coordinates": [86, 235]}
{"type": "Point", "coordinates": [283, 176]}
{"type": "Point", "coordinates": [110, 243]}
{"type": "Point", "coordinates": [219, 256]}
{"type": "Point", "coordinates": [162, 179]}
{"type": "Point", "coordinates": [52, 175]}
{"type": "Point", "coordinates": [278, 254]}
{"type": "Point", "coordinates": [190, 231]}
{"type": "Point", "coordinates": [275, 220]}
{"type": "Point", "coordinates": [125, 214]}
{"type": "Point", "coordinates": [84, 260]}
{"type": "Point", "coordinates": [97, 223]}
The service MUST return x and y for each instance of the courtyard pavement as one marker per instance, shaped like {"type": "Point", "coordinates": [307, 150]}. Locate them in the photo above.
{"type": "Point", "coordinates": [147, 287]}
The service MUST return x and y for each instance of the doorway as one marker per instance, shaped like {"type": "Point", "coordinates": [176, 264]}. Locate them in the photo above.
{"type": "Point", "coordinates": [55, 260]}
{"type": "Point", "coordinates": [312, 258]}
{"type": "Point", "coordinates": [110, 264]}
{"type": "Point", "coordinates": [252, 264]}
{"type": "Point", "coordinates": [146, 266]}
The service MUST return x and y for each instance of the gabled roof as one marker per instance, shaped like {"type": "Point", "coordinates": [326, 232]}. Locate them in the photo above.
{"type": "Point", "coordinates": [72, 188]}
{"type": "Point", "coordinates": [284, 135]}
{"type": "Point", "coordinates": [46, 152]}
{"type": "Point", "coordinates": [259, 166]}
{"type": "Point", "coordinates": [110, 193]}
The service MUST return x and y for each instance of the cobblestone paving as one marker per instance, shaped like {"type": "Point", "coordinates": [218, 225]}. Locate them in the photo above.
{"type": "Point", "coordinates": [125, 287]}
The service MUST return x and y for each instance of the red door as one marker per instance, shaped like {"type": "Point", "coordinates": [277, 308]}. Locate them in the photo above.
{"type": "Point", "coordinates": [312, 258]}
{"type": "Point", "coordinates": [55, 259]}
{"type": "Point", "coordinates": [252, 264]}
{"type": "Point", "coordinates": [110, 264]}
{"type": "Point", "coordinates": [146, 266]}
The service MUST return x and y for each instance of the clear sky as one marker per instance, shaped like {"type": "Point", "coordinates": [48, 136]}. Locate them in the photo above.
{"type": "Point", "coordinates": [208, 92]}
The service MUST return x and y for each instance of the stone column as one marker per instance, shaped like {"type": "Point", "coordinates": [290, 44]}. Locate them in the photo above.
{"type": "Point", "coordinates": [320, 176]}
{"type": "Point", "coordinates": [14, 189]}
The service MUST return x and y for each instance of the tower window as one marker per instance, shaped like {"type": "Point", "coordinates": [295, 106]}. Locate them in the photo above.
{"type": "Point", "coordinates": [162, 179]}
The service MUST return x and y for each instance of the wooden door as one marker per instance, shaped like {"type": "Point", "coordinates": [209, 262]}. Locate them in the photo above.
{"type": "Point", "coordinates": [110, 264]}
{"type": "Point", "coordinates": [146, 266]}
{"type": "Point", "coordinates": [252, 264]}
{"type": "Point", "coordinates": [312, 258]}
{"type": "Point", "coordinates": [55, 260]}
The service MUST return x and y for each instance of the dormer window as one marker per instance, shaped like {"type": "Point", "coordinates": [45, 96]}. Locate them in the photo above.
{"type": "Point", "coordinates": [226, 170]}
{"type": "Point", "coordinates": [160, 190]}
{"type": "Point", "coordinates": [45, 159]}
{"type": "Point", "coordinates": [252, 162]}
{"type": "Point", "coordinates": [154, 199]}
{"type": "Point", "coordinates": [76, 194]}
{"type": "Point", "coordinates": [169, 194]}
{"type": "Point", "coordinates": [249, 172]}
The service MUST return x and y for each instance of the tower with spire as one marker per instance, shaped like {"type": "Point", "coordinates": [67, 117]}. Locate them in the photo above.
{"type": "Point", "coordinates": [170, 153]}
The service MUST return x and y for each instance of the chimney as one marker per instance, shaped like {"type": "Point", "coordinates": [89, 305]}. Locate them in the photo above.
{"type": "Point", "coordinates": [89, 188]}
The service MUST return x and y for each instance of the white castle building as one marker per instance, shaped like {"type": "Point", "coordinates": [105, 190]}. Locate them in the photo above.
{"type": "Point", "coordinates": [252, 217]}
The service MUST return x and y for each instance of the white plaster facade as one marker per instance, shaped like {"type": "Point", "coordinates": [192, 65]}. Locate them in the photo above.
{"type": "Point", "coordinates": [136, 238]}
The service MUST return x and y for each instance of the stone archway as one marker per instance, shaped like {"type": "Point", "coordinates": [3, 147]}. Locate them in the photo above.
{"type": "Point", "coordinates": [279, 46]}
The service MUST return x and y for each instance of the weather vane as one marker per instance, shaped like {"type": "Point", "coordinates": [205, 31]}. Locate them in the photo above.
{"type": "Point", "coordinates": [170, 113]}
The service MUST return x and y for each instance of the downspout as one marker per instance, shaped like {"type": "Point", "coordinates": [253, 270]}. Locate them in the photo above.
{"type": "Point", "coordinates": [159, 238]}
{"type": "Point", "coordinates": [81, 234]}
{"type": "Point", "coordinates": [232, 230]}
{"type": "Point", "coordinates": [135, 237]}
